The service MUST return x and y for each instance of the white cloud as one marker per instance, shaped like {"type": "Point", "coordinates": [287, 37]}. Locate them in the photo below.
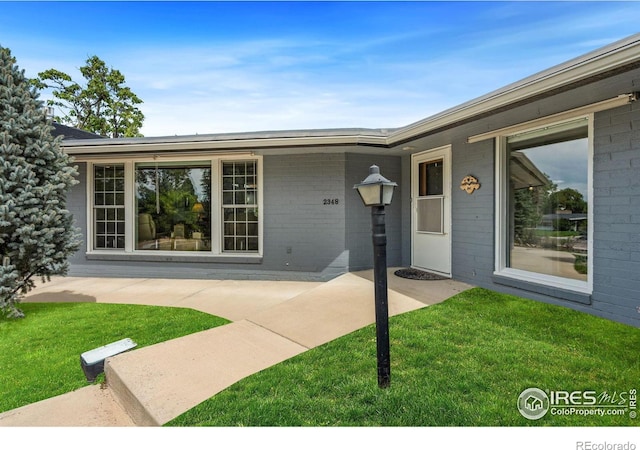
{"type": "Point", "coordinates": [285, 85]}
{"type": "Point", "coordinates": [390, 77]}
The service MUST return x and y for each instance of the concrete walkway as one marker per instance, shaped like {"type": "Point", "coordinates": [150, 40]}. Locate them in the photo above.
{"type": "Point", "coordinates": [272, 321]}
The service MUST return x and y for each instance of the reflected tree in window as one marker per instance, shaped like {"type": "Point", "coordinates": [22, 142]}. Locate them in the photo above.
{"type": "Point", "coordinates": [173, 200]}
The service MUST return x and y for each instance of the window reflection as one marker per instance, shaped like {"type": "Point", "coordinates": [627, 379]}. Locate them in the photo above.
{"type": "Point", "coordinates": [548, 209]}
{"type": "Point", "coordinates": [173, 206]}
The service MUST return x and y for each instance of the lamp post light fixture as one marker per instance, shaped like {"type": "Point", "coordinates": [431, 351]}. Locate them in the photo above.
{"type": "Point", "coordinates": [376, 191]}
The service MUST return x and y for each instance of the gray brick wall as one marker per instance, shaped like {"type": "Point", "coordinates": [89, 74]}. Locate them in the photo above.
{"type": "Point", "coordinates": [77, 205]}
{"type": "Point", "coordinates": [616, 179]}
{"type": "Point", "coordinates": [472, 220]}
{"type": "Point", "coordinates": [301, 232]}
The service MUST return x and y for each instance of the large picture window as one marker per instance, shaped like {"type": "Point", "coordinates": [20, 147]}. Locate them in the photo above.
{"type": "Point", "coordinates": [203, 207]}
{"type": "Point", "coordinates": [173, 206]}
{"type": "Point", "coordinates": [546, 206]}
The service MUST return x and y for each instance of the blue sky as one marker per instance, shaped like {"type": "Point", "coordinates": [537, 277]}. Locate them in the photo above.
{"type": "Point", "coordinates": [210, 67]}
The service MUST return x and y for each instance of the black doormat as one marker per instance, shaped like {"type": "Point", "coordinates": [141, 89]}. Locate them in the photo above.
{"type": "Point", "coordinates": [415, 274]}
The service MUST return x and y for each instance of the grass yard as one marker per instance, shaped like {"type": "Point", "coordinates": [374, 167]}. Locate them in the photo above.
{"type": "Point", "coordinates": [463, 362]}
{"type": "Point", "coordinates": [40, 354]}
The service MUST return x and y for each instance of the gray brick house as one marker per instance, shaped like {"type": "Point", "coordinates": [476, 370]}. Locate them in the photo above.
{"type": "Point", "coordinates": [533, 189]}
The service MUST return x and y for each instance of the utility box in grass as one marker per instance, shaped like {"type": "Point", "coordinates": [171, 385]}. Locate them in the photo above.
{"type": "Point", "coordinates": [92, 361]}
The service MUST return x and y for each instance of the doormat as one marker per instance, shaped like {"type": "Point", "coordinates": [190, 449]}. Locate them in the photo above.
{"type": "Point", "coordinates": [415, 274]}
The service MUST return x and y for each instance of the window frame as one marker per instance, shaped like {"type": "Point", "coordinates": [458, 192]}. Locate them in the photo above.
{"type": "Point", "coordinates": [183, 163]}
{"type": "Point", "coordinates": [130, 208]}
{"type": "Point", "coordinates": [502, 211]}
{"type": "Point", "coordinates": [106, 206]}
{"type": "Point", "coordinates": [235, 206]}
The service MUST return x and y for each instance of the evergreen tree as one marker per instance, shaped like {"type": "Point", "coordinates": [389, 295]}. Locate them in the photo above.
{"type": "Point", "coordinates": [36, 230]}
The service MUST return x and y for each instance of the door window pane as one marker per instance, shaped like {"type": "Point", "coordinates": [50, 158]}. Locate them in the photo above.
{"type": "Point", "coordinates": [430, 215]}
{"type": "Point", "coordinates": [430, 178]}
{"type": "Point", "coordinates": [430, 203]}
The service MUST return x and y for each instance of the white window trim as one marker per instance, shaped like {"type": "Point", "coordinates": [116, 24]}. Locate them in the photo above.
{"type": "Point", "coordinates": [217, 215]}
{"type": "Point", "coordinates": [91, 204]}
{"type": "Point", "coordinates": [501, 219]}
{"type": "Point", "coordinates": [216, 212]}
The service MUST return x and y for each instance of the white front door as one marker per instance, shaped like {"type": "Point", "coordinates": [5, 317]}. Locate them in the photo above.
{"type": "Point", "coordinates": [431, 210]}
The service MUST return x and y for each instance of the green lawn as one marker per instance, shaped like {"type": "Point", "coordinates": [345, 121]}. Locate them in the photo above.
{"type": "Point", "coordinates": [460, 363]}
{"type": "Point", "coordinates": [40, 354]}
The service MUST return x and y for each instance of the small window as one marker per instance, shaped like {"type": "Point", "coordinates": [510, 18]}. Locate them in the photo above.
{"type": "Point", "coordinates": [108, 206]}
{"type": "Point", "coordinates": [240, 206]}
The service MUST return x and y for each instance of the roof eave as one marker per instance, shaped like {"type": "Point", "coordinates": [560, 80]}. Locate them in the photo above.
{"type": "Point", "coordinates": [228, 145]}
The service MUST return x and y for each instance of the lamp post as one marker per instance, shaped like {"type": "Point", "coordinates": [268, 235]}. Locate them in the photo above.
{"type": "Point", "coordinates": [376, 191]}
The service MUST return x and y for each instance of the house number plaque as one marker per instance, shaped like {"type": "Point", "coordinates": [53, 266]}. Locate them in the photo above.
{"type": "Point", "coordinates": [469, 184]}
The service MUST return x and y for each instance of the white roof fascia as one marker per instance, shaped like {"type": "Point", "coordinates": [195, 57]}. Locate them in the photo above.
{"type": "Point", "coordinates": [154, 145]}
{"type": "Point", "coordinates": [602, 60]}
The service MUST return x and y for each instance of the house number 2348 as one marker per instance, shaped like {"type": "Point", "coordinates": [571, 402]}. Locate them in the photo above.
{"type": "Point", "coordinates": [330, 201]}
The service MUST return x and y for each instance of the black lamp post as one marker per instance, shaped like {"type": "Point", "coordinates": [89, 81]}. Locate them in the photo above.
{"type": "Point", "coordinates": [376, 191]}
